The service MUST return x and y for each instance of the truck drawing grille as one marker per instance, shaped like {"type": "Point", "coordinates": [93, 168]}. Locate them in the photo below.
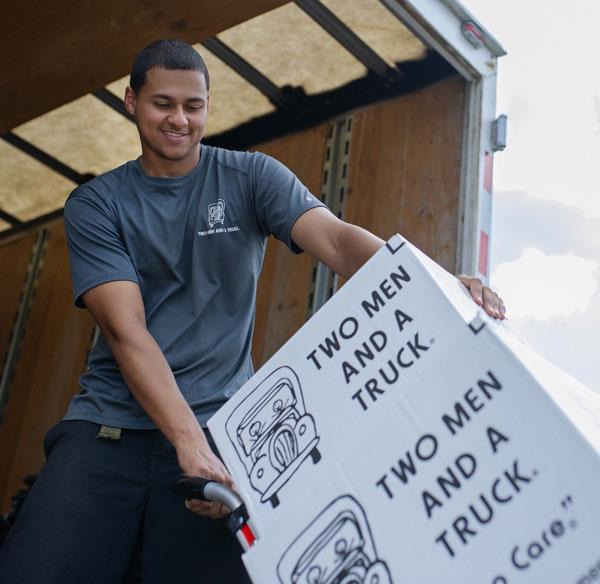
{"type": "Point", "coordinates": [284, 448]}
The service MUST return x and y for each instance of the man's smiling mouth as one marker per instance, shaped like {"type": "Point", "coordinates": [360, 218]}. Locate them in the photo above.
{"type": "Point", "coordinates": [173, 134]}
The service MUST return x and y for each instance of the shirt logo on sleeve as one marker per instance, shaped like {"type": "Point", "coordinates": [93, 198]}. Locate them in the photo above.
{"type": "Point", "coordinates": [216, 213]}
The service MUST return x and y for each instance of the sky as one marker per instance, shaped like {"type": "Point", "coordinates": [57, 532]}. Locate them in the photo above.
{"type": "Point", "coordinates": [545, 250]}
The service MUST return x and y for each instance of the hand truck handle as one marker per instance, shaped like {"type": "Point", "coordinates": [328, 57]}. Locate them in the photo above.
{"type": "Point", "coordinates": [207, 490]}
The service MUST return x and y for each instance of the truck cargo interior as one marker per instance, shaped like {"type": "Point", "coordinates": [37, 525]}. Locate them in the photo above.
{"type": "Point", "coordinates": [366, 111]}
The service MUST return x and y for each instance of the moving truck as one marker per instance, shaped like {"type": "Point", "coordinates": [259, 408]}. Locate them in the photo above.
{"type": "Point", "coordinates": [383, 108]}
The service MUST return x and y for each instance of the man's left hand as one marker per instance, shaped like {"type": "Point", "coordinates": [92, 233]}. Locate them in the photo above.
{"type": "Point", "coordinates": [484, 296]}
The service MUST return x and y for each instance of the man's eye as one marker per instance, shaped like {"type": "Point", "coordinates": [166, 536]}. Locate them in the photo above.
{"type": "Point", "coordinates": [161, 104]}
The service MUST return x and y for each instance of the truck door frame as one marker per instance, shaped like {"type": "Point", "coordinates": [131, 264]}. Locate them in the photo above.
{"type": "Point", "coordinates": [438, 25]}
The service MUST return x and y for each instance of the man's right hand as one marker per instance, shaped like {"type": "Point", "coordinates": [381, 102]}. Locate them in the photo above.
{"type": "Point", "coordinates": [202, 462]}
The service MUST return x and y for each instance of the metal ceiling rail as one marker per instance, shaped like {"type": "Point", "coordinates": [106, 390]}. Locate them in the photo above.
{"type": "Point", "coordinates": [23, 227]}
{"type": "Point", "coordinates": [111, 100]}
{"type": "Point", "coordinates": [275, 95]}
{"type": "Point", "coordinates": [347, 38]}
{"type": "Point", "coordinates": [46, 159]}
{"type": "Point", "coordinates": [9, 218]}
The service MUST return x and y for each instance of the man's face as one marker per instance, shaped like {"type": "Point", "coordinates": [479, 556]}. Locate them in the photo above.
{"type": "Point", "coordinates": [170, 110]}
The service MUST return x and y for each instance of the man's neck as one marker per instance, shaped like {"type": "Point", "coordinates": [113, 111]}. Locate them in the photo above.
{"type": "Point", "coordinates": [154, 165]}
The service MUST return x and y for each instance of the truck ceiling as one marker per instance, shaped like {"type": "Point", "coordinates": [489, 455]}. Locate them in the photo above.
{"type": "Point", "coordinates": [276, 67]}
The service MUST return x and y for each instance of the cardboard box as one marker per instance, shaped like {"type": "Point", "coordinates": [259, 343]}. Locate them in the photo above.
{"type": "Point", "coordinates": [403, 436]}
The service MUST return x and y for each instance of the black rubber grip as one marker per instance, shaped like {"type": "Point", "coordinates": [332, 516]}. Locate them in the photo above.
{"type": "Point", "coordinates": [190, 487]}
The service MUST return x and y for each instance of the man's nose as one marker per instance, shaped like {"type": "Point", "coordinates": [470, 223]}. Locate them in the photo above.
{"type": "Point", "coordinates": [178, 117]}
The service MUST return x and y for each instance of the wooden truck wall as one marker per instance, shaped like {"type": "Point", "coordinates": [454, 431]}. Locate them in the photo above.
{"type": "Point", "coordinates": [403, 175]}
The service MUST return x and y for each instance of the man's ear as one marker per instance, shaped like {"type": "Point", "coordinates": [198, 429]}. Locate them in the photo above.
{"type": "Point", "coordinates": [130, 100]}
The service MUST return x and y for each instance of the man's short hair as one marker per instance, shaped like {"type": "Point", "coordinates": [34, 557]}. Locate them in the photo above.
{"type": "Point", "coordinates": [166, 54]}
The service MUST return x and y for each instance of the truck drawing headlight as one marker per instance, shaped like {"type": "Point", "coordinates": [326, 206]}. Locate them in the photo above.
{"type": "Point", "coordinates": [336, 548]}
{"type": "Point", "coordinates": [272, 433]}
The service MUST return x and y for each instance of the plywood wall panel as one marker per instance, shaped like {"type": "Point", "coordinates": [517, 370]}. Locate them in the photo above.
{"type": "Point", "coordinates": [52, 357]}
{"type": "Point", "coordinates": [284, 285]}
{"type": "Point", "coordinates": [404, 171]}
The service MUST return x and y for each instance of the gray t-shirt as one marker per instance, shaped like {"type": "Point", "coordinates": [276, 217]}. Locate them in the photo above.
{"type": "Point", "coordinates": [195, 245]}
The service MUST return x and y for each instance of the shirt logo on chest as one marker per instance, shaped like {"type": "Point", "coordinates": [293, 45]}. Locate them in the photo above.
{"type": "Point", "coordinates": [216, 213]}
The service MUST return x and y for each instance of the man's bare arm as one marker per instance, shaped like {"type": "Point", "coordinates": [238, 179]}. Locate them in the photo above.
{"type": "Point", "coordinates": [118, 309]}
{"type": "Point", "coordinates": [344, 248]}
{"type": "Point", "coordinates": [341, 246]}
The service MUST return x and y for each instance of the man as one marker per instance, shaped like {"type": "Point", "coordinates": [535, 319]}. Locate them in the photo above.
{"type": "Point", "coordinates": [174, 298]}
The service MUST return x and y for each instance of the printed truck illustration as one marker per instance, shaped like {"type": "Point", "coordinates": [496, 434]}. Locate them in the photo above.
{"type": "Point", "coordinates": [336, 548]}
{"type": "Point", "coordinates": [272, 433]}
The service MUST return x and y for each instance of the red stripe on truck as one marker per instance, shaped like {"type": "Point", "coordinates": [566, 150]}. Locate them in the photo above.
{"type": "Point", "coordinates": [488, 172]}
{"type": "Point", "coordinates": [484, 241]}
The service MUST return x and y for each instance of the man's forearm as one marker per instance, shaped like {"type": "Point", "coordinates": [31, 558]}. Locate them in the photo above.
{"type": "Point", "coordinates": [151, 381]}
{"type": "Point", "coordinates": [356, 245]}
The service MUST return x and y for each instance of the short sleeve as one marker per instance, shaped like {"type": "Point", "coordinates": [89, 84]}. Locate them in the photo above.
{"type": "Point", "coordinates": [97, 253]}
{"type": "Point", "coordinates": [280, 198]}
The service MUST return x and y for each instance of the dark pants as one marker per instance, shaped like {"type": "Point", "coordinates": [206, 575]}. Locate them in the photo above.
{"type": "Point", "coordinates": [93, 504]}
